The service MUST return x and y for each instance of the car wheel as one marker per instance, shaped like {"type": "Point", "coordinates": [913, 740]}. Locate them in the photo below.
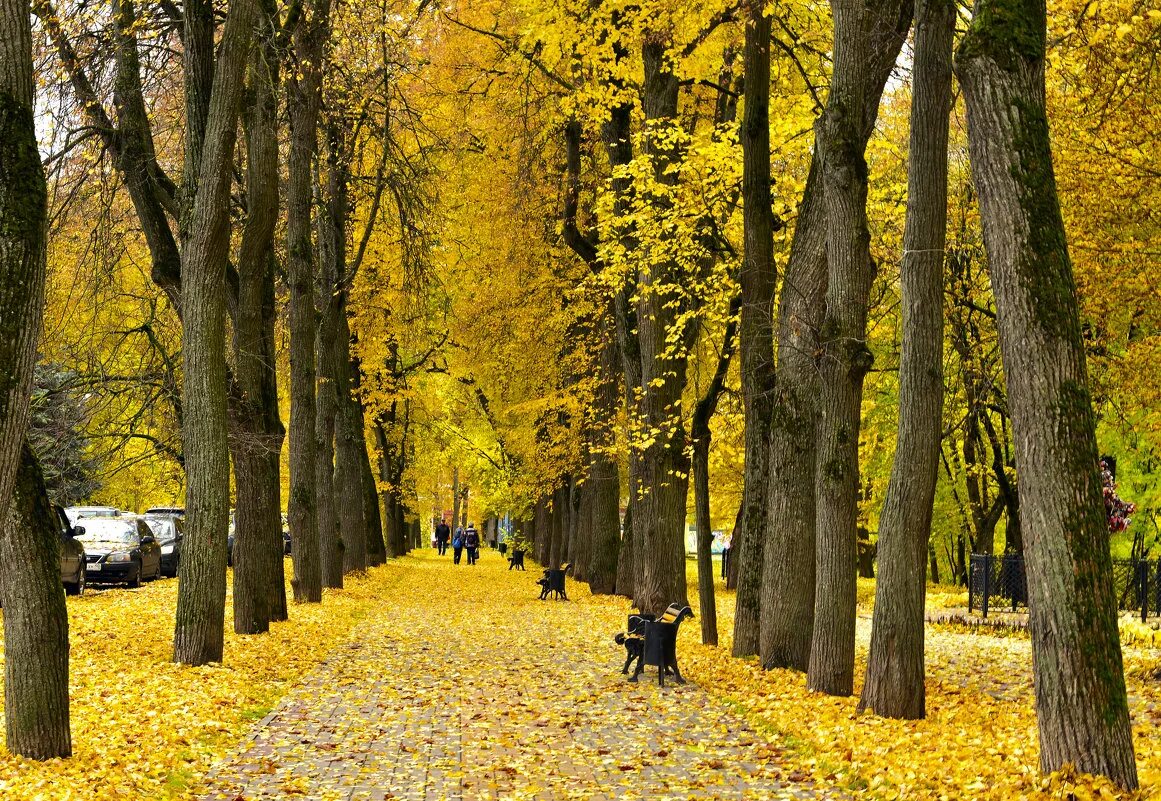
{"type": "Point", "coordinates": [135, 581]}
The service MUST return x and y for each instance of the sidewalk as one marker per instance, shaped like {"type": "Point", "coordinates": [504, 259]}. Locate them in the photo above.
{"type": "Point", "coordinates": [439, 698]}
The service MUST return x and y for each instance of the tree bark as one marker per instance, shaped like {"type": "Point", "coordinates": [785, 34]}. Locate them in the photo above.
{"type": "Point", "coordinates": [845, 358]}
{"type": "Point", "coordinates": [789, 571]}
{"type": "Point", "coordinates": [256, 431]}
{"type": "Point", "coordinates": [758, 277]}
{"type": "Point", "coordinates": [330, 541]}
{"type": "Point", "coordinates": [664, 466]}
{"type": "Point", "coordinates": [36, 624]}
{"type": "Point", "coordinates": [36, 636]}
{"type": "Point", "coordinates": [894, 684]}
{"type": "Point", "coordinates": [200, 618]}
{"type": "Point", "coordinates": [304, 99]}
{"type": "Point", "coordinates": [1081, 705]}
{"type": "Point", "coordinates": [604, 484]}
{"type": "Point", "coordinates": [348, 444]}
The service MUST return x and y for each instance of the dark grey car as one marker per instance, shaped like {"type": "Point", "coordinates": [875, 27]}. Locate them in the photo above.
{"type": "Point", "coordinates": [120, 550]}
{"type": "Point", "coordinates": [72, 555]}
{"type": "Point", "coordinates": [169, 531]}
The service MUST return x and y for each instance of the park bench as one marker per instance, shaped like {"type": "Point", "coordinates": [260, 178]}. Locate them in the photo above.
{"type": "Point", "coordinates": [653, 641]}
{"type": "Point", "coordinates": [553, 582]}
{"type": "Point", "coordinates": [516, 560]}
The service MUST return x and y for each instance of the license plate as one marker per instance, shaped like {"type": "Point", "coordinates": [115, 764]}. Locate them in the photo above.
{"type": "Point", "coordinates": [94, 568]}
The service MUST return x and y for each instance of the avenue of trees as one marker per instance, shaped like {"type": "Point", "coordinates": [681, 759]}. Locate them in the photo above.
{"type": "Point", "coordinates": [816, 275]}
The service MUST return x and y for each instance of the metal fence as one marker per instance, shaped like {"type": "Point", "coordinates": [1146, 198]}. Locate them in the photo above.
{"type": "Point", "coordinates": [1000, 582]}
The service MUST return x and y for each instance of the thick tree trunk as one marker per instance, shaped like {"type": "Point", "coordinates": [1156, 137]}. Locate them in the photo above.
{"type": "Point", "coordinates": [788, 586]}
{"type": "Point", "coordinates": [36, 633]}
{"type": "Point", "coordinates": [758, 277]}
{"type": "Point", "coordinates": [559, 525]}
{"type": "Point", "coordinates": [604, 485]}
{"type": "Point", "coordinates": [304, 99]}
{"type": "Point", "coordinates": [376, 545]}
{"type": "Point", "coordinates": [256, 431]}
{"type": "Point", "coordinates": [664, 465]}
{"type": "Point", "coordinates": [845, 358]}
{"type": "Point", "coordinates": [200, 618]}
{"type": "Point", "coordinates": [626, 562]}
{"type": "Point", "coordinates": [1081, 706]}
{"type": "Point", "coordinates": [36, 624]}
{"type": "Point", "coordinates": [894, 685]}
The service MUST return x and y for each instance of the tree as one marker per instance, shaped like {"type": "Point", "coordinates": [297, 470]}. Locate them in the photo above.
{"type": "Point", "coordinates": [36, 667]}
{"type": "Point", "coordinates": [895, 673]}
{"type": "Point", "coordinates": [1081, 705]}
{"type": "Point", "coordinates": [303, 100]}
{"type": "Point", "coordinates": [758, 277]}
{"type": "Point", "coordinates": [199, 628]}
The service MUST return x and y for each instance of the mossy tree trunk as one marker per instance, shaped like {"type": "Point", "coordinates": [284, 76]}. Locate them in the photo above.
{"type": "Point", "coordinates": [894, 684]}
{"type": "Point", "coordinates": [36, 635]}
{"type": "Point", "coordinates": [1081, 705]}
{"type": "Point", "coordinates": [36, 624]}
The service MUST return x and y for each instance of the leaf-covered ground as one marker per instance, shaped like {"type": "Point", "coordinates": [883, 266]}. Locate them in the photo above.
{"type": "Point", "coordinates": [426, 680]}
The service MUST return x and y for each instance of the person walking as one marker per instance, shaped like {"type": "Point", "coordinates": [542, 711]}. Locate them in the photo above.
{"type": "Point", "coordinates": [457, 545]}
{"type": "Point", "coordinates": [442, 535]}
{"type": "Point", "coordinates": [472, 543]}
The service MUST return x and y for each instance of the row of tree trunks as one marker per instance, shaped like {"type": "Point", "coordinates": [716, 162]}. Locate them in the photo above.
{"type": "Point", "coordinates": [894, 684]}
{"type": "Point", "coordinates": [36, 633]}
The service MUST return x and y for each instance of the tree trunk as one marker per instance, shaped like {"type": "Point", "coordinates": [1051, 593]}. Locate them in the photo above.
{"type": "Point", "coordinates": [757, 278]}
{"type": "Point", "coordinates": [732, 568]}
{"type": "Point", "coordinates": [604, 484]}
{"type": "Point", "coordinates": [36, 624]}
{"type": "Point", "coordinates": [664, 465]}
{"type": "Point", "coordinates": [894, 684]}
{"type": "Point", "coordinates": [788, 591]}
{"type": "Point", "coordinates": [376, 545]}
{"type": "Point", "coordinates": [256, 430]}
{"type": "Point", "coordinates": [200, 618]}
{"type": "Point", "coordinates": [559, 524]}
{"type": "Point", "coordinates": [304, 99]}
{"type": "Point", "coordinates": [36, 634]}
{"type": "Point", "coordinates": [845, 358]}
{"type": "Point", "coordinates": [626, 579]}
{"type": "Point", "coordinates": [330, 541]}
{"type": "Point", "coordinates": [581, 522]}
{"type": "Point", "coordinates": [348, 444]}
{"type": "Point", "coordinates": [455, 498]}
{"type": "Point", "coordinates": [1081, 705]}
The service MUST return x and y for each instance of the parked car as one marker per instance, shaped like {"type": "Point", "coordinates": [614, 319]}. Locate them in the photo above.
{"type": "Point", "coordinates": [72, 554]}
{"type": "Point", "coordinates": [120, 550]}
{"type": "Point", "coordinates": [169, 531]}
{"type": "Point", "coordinates": [76, 513]}
{"type": "Point", "coordinates": [165, 511]}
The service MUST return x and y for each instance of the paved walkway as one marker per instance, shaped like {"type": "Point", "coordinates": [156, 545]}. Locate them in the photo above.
{"type": "Point", "coordinates": [503, 697]}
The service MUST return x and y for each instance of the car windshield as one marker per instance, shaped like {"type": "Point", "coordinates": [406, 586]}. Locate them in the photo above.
{"type": "Point", "coordinates": [98, 530]}
{"type": "Point", "coordinates": [162, 528]}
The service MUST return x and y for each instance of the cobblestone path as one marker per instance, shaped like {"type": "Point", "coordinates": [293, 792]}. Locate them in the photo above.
{"type": "Point", "coordinates": [467, 687]}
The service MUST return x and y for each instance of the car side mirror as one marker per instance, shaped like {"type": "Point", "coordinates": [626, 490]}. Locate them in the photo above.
{"type": "Point", "coordinates": [76, 531]}
{"type": "Point", "coordinates": [147, 540]}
